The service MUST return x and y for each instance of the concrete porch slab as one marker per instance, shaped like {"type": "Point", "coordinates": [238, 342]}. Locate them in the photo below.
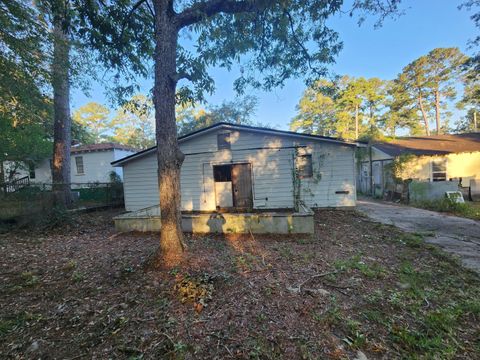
{"type": "Point", "coordinates": [265, 222]}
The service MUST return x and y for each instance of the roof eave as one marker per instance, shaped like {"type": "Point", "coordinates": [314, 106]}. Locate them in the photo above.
{"type": "Point", "coordinates": [242, 127]}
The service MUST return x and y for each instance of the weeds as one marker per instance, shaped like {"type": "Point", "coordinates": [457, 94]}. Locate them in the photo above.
{"type": "Point", "coordinates": [372, 271]}
{"type": "Point", "coordinates": [30, 279]}
{"type": "Point", "coordinates": [446, 205]}
{"type": "Point", "coordinates": [18, 321]}
{"type": "Point", "coordinates": [194, 289]}
{"type": "Point", "coordinates": [78, 276]}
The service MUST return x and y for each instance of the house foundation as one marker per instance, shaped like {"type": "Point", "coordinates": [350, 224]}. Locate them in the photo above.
{"type": "Point", "coordinates": [264, 222]}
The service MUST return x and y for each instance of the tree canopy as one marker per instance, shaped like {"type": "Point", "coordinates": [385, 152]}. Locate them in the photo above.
{"type": "Point", "coordinates": [238, 111]}
{"type": "Point", "coordinates": [135, 123]}
{"type": "Point", "coordinates": [25, 108]}
{"type": "Point", "coordinates": [357, 107]}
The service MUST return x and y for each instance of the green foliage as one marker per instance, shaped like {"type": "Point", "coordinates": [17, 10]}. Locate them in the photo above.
{"type": "Point", "coordinates": [398, 166]}
{"type": "Point", "coordinates": [239, 111]}
{"type": "Point", "coordinates": [114, 177]}
{"type": "Point", "coordinates": [333, 108]}
{"type": "Point", "coordinates": [429, 79]}
{"type": "Point", "coordinates": [24, 109]}
{"type": "Point", "coordinates": [374, 270]}
{"type": "Point", "coordinates": [17, 322]}
{"type": "Point", "coordinates": [467, 123]}
{"type": "Point", "coordinates": [135, 121]}
{"type": "Point", "coordinates": [29, 278]}
{"type": "Point", "coordinates": [468, 210]}
{"type": "Point", "coordinates": [264, 39]}
{"type": "Point", "coordinates": [96, 119]}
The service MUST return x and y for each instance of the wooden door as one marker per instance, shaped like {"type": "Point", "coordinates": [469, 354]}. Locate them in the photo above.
{"type": "Point", "coordinates": [242, 186]}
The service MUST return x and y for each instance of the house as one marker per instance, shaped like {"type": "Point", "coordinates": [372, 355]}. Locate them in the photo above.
{"type": "Point", "coordinates": [89, 164]}
{"type": "Point", "coordinates": [438, 158]}
{"type": "Point", "coordinates": [245, 167]}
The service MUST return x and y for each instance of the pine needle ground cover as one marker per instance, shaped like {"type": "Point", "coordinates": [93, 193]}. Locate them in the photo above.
{"type": "Point", "coordinates": [82, 291]}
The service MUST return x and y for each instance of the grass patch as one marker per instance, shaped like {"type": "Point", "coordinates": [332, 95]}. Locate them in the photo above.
{"type": "Point", "coordinates": [14, 323]}
{"type": "Point", "coordinates": [468, 210]}
{"type": "Point", "coordinates": [371, 271]}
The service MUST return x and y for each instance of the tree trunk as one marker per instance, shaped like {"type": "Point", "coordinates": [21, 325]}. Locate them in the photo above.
{"type": "Point", "coordinates": [356, 122]}
{"type": "Point", "coordinates": [424, 114]}
{"type": "Point", "coordinates": [169, 156]}
{"type": "Point", "coordinates": [62, 131]}
{"type": "Point", "coordinates": [437, 110]}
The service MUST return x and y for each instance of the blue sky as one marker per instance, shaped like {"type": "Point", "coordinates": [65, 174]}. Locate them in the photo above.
{"type": "Point", "coordinates": [367, 52]}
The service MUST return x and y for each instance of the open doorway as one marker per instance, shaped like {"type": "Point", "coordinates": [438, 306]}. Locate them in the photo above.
{"type": "Point", "coordinates": [233, 186]}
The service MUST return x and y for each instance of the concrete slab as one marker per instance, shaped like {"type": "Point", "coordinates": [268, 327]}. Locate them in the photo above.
{"type": "Point", "coordinates": [454, 234]}
{"type": "Point", "coordinates": [270, 222]}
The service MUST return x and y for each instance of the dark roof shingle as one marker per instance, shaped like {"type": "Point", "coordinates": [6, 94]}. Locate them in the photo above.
{"type": "Point", "coordinates": [432, 145]}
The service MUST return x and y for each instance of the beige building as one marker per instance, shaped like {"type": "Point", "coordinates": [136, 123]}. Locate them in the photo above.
{"type": "Point", "coordinates": [425, 159]}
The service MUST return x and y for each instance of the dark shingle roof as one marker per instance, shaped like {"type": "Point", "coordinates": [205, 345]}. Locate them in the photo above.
{"type": "Point", "coordinates": [432, 145]}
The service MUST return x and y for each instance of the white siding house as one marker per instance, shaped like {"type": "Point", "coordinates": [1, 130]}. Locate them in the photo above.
{"type": "Point", "coordinates": [89, 163]}
{"type": "Point", "coordinates": [247, 167]}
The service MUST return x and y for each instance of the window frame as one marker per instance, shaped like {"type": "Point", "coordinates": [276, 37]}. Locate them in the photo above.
{"type": "Point", "coordinates": [433, 173]}
{"type": "Point", "coordinates": [77, 165]}
{"type": "Point", "coordinates": [225, 144]}
{"type": "Point", "coordinates": [309, 165]}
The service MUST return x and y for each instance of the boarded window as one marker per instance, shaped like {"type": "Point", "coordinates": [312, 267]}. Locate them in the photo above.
{"type": "Point", "coordinates": [304, 166]}
{"type": "Point", "coordinates": [222, 173]}
{"type": "Point", "coordinates": [439, 170]}
{"type": "Point", "coordinates": [223, 141]}
{"type": "Point", "coordinates": [79, 165]}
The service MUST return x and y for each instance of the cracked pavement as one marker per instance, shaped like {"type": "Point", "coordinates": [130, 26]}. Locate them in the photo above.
{"type": "Point", "coordinates": [453, 234]}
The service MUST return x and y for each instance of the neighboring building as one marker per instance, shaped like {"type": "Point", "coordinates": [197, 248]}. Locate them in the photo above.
{"type": "Point", "coordinates": [425, 159]}
{"type": "Point", "coordinates": [238, 166]}
{"type": "Point", "coordinates": [89, 163]}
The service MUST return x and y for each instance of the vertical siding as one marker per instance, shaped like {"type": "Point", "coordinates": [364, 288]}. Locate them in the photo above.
{"type": "Point", "coordinates": [272, 159]}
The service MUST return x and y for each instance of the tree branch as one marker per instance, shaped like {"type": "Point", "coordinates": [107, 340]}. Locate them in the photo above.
{"type": "Point", "coordinates": [130, 13]}
{"type": "Point", "coordinates": [181, 75]}
{"type": "Point", "coordinates": [203, 9]}
{"type": "Point", "coordinates": [299, 43]}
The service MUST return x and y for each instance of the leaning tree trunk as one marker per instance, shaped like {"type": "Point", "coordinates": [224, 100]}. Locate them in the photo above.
{"type": "Point", "coordinates": [356, 122]}
{"type": "Point", "coordinates": [437, 110]}
{"type": "Point", "coordinates": [62, 120]}
{"type": "Point", "coordinates": [424, 115]}
{"type": "Point", "coordinates": [169, 156]}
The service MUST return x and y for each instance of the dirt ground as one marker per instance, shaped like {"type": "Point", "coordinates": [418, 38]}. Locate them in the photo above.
{"type": "Point", "coordinates": [354, 289]}
{"type": "Point", "coordinates": [457, 235]}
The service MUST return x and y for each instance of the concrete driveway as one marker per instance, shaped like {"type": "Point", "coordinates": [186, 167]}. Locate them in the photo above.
{"type": "Point", "coordinates": [454, 234]}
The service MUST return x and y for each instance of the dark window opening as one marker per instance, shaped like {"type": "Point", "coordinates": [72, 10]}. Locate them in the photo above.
{"type": "Point", "coordinates": [222, 173]}
{"type": "Point", "coordinates": [439, 170]}
{"type": "Point", "coordinates": [304, 166]}
{"type": "Point", "coordinates": [223, 141]}
{"type": "Point", "coordinates": [31, 171]}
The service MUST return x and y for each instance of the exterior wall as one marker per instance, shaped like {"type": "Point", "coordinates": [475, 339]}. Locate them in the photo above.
{"type": "Point", "coordinates": [272, 159]}
{"type": "Point", "coordinates": [462, 165]}
{"type": "Point", "coordinates": [119, 154]}
{"type": "Point", "coordinates": [96, 167]}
